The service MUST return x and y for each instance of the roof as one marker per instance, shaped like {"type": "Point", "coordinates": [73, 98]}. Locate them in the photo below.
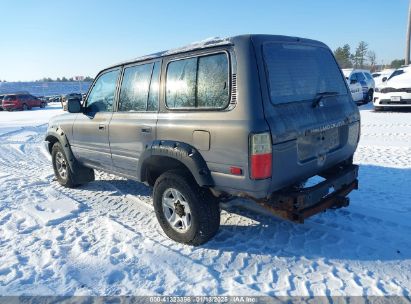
{"type": "Point", "coordinates": [214, 42]}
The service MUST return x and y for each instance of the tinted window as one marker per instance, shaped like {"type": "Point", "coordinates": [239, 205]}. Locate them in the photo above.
{"type": "Point", "coordinates": [134, 88]}
{"type": "Point", "coordinates": [360, 76]}
{"type": "Point", "coordinates": [299, 72]}
{"type": "Point", "coordinates": [101, 97]}
{"type": "Point", "coordinates": [180, 83]}
{"type": "Point", "coordinates": [396, 73]}
{"type": "Point", "coordinates": [10, 98]}
{"type": "Point", "coordinates": [154, 89]}
{"type": "Point", "coordinates": [369, 77]}
{"type": "Point", "coordinates": [212, 86]}
{"type": "Point", "coordinates": [200, 82]}
{"type": "Point", "coordinates": [353, 77]}
{"type": "Point", "coordinates": [375, 75]}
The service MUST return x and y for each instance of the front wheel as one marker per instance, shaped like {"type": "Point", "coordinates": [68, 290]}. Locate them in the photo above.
{"type": "Point", "coordinates": [25, 107]}
{"type": "Point", "coordinates": [186, 212]}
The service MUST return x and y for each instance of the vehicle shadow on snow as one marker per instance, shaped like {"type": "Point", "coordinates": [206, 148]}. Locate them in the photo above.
{"type": "Point", "coordinates": [376, 225]}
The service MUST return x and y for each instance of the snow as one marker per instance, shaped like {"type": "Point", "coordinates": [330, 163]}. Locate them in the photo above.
{"type": "Point", "coordinates": [103, 238]}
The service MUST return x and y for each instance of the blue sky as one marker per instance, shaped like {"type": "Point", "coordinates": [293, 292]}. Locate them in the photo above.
{"type": "Point", "coordinates": [45, 38]}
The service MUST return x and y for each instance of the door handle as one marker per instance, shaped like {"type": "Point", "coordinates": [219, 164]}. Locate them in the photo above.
{"type": "Point", "coordinates": [101, 127]}
{"type": "Point", "coordinates": [146, 130]}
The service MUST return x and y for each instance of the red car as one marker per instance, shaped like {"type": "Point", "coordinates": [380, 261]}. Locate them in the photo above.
{"type": "Point", "coordinates": [21, 102]}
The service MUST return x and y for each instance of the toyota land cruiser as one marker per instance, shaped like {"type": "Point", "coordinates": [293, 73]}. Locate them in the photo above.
{"type": "Point", "coordinates": [250, 116]}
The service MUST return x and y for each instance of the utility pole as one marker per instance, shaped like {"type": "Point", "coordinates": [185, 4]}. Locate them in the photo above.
{"type": "Point", "coordinates": [407, 45]}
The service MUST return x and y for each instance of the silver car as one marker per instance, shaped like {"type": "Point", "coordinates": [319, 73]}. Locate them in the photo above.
{"type": "Point", "coordinates": [250, 116]}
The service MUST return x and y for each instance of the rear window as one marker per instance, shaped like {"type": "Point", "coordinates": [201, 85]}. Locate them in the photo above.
{"type": "Point", "coordinates": [298, 72]}
{"type": "Point", "coordinates": [10, 98]}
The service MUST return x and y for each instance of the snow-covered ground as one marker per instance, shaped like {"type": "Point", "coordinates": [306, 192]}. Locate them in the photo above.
{"type": "Point", "coordinates": [103, 238]}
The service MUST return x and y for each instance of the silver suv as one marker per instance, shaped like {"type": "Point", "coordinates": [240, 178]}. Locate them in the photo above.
{"type": "Point", "coordinates": [251, 116]}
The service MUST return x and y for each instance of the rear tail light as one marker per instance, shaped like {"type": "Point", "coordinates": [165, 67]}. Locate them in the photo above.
{"type": "Point", "coordinates": [260, 156]}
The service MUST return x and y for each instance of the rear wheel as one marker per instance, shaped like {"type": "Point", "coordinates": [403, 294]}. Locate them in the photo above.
{"type": "Point", "coordinates": [25, 107]}
{"type": "Point", "coordinates": [369, 97]}
{"type": "Point", "coordinates": [43, 105]}
{"type": "Point", "coordinates": [186, 212]}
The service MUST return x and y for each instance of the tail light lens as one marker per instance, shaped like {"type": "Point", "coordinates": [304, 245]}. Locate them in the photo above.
{"type": "Point", "coordinates": [260, 156]}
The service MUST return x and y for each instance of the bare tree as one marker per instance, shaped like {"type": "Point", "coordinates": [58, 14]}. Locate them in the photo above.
{"type": "Point", "coordinates": [372, 59]}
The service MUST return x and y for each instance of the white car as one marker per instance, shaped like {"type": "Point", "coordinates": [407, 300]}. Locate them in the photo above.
{"type": "Point", "coordinates": [382, 76]}
{"type": "Point", "coordinates": [395, 92]}
{"type": "Point", "coordinates": [364, 78]}
{"type": "Point", "coordinates": [356, 91]}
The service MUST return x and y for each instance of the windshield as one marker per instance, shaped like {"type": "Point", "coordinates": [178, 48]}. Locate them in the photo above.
{"type": "Point", "coordinates": [396, 73]}
{"type": "Point", "coordinates": [299, 72]}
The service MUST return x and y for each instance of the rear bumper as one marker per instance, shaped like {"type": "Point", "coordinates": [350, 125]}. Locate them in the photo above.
{"type": "Point", "coordinates": [297, 205]}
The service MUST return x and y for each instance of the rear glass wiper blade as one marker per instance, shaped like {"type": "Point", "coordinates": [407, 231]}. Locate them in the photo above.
{"type": "Point", "coordinates": [321, 95]}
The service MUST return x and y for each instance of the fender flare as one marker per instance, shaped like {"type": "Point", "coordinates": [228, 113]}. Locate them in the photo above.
{"type": "Point", "coordinates": [182, 152]}
{"type": "Point", "coordinates": [83, 174]}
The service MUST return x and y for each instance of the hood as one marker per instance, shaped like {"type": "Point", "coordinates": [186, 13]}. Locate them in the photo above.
{"type": "Point", "coordinates": [397, 82]}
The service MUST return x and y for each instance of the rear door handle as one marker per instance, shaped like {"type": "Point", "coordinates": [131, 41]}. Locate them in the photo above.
{"type": "Point", "coordinates": [101, 126]}
{"type": "Point", "coordinates": [146, 130]}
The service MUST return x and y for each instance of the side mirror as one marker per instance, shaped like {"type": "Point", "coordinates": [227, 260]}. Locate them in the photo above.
{"type": "Point", "coordinates": [73, 105]}
{"type": "Point", "coordinates": [353, 81]}
{"type": "Point", "coordinates": [384, 79]}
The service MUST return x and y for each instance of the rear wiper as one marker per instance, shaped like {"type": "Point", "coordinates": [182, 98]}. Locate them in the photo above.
{"type": "Point", "coordinates": [320, 96]}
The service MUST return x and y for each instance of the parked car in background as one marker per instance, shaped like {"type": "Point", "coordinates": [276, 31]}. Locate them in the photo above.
{"type": "Point", "coordinates": [356, 91]}
{"type": "Point", "coordinates": [395, 92]}
{"type": "Point", "coordinates": [21, 101]}
{"type": "Point", "coordinates": [250, 116]}
{"type": "Point", "coordinates": [364, 78]}
{"type": "Point", "coordinates": [1, 102]}
{"type": "Point", "coordinates": [380, 77]}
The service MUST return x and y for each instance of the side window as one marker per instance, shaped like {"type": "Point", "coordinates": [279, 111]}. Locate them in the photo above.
{"type": "Point", "coordinates": [180, 83]}
{"type": "Point", "coordinates": [368, 76]}
{"type": "Point", "coordinates": [360, 76]}
{"type": "Point", "coordinates": [134, 88]}
{"type": "Point", "coordinates": [101, 97]}
{"type": "Point", "coordinates": [153, 95]}
{"type": "Point", "coordinates": [200, 82]}
{"type": "Point", "coordinates": [212, 86]}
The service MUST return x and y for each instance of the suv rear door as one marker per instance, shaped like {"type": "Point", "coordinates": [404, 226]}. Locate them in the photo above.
{"type": "Point", "coordinates": [133, 125]}
{"type": "Point", "coordinates": [90, 142]}
{"type": "Point", "coordinates": [309, 132]}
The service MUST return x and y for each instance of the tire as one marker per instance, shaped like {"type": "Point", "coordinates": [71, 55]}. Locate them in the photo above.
{"type": "Point", "coordinates": [43, 105]}
{"type": "Point", "coordinates": [196, 211]}
{"type": "Point", "coordinates": [66, 175]}
{"type": "Point", "coordinates": [25, 107]}
{"type": "Point", "coordinates": [369, 97]}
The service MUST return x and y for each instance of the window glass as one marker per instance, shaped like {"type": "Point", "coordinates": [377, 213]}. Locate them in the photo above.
{"type": "Point", "coordinates": [101, 97]}
{"type": "Point", "coordinates": [369, 77]}
{"type": "Point", "coordinates": [212, 77]}
{"type": "Point", "coordinates": [396, 73]}
{"type": "Point", "coordinates": [298, 72]}
{"type": "Point", "coordinates": [154, 89]}
{"type": "Point", "coordinates": [360, 76]}
{"type": "Point", "coordinates": [180, 83]}
{"type": "Point", "coordinates": [134, 88]}
{"type": "Point", "coordinates": [10, 98]}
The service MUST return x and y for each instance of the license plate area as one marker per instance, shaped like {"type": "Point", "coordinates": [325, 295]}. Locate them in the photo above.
{"type": "Point", "coordinates": [395, 98]}
{"type": "Point", "coordinates": [314, 145]}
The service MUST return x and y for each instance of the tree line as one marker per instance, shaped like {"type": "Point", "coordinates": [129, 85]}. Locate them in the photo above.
{"type": "Point", "coordinates": [361, 58]}
{"type": "Point", "coordinates": [63, 79]}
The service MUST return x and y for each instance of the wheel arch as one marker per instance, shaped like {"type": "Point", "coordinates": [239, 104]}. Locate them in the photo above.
{"type": "Point", "coordinates": [166, 155]}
